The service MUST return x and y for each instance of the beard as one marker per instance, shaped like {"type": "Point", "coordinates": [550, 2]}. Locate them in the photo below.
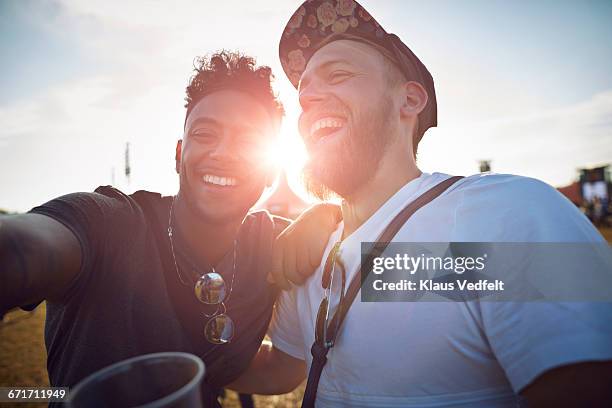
{"type": "Point", "coordinates": [353, 162]}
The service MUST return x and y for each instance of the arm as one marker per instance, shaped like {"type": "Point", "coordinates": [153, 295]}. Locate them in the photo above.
{"type": "Point", "coordinates": [271, 372]}
{"type": "Point", "coordinates": [278, 368]}
{"type": "Point", "coordinates": [299, 248]}
{"type": "Point", "coordinates": [39, 258]}
{"type": "Point", "coordinates": [575, 385]}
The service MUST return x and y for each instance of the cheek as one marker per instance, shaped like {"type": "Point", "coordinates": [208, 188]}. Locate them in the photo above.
{"type": "Point", "coordinates": [352, 101]}
{"type": "Point", "coordinates": [251, 158]}
{"type": "Point", "coordinates": [256, 179]}
{"type": "Point", "coordinates": [361, 95]}
{"type": "Point", "coordinates": [257, 159]}
{"type": "Point", "coordinates": [190, 150]}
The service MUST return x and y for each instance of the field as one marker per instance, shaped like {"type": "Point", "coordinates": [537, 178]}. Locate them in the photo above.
{"type": "Point", "coordinates": [23, 357]}
{"type": "Point", "coordinates": [23, 360]}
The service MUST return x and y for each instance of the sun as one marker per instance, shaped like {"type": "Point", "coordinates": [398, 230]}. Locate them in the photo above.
{"type": "Point", "coordinates": [288, 154]}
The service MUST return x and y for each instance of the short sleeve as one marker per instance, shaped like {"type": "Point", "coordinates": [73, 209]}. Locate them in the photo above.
{"type": "Point", "coordinates": [91, 217]}
{"type": "Point", "coordinates": [285, 330]}
{"type": "Point", "coordinates": [530, 338]}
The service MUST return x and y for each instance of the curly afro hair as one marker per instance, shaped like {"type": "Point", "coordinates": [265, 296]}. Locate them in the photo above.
{"type": "Point", "coordinates": [233, 70]}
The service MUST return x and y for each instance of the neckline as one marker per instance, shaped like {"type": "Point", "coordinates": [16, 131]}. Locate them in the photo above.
{"type": "Point", "coordinates": [389, 207]}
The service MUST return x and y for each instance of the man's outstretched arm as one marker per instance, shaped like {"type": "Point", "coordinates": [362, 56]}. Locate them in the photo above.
{"type": "Point", "coordinates": [39, 258]}
{"type": "Point", "coordinates": [271, 372]}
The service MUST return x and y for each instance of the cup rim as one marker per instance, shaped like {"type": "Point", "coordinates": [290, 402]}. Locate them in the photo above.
{"type": "Point", "coordinates": [116, 367]}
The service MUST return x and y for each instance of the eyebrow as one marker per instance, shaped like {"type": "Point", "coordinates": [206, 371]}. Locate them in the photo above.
{"type": "Point", "coordinates": [204, 121]}
{"type": "Point", "coordinates": [323, 67]}
{"type": "Point", "coordinates": [210, 121]}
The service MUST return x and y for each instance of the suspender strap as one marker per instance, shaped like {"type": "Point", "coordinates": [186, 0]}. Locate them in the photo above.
{"type": "Point", "coordinates": [319, 351]}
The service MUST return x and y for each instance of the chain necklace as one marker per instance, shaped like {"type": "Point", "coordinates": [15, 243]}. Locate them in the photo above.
{"type": "Point", "coordinates": [178, 270]}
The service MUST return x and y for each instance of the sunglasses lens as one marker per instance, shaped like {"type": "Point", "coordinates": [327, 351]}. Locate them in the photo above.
{"type": "Point", "coordinates": [329, 266]}
{"type": "Point", "coordinates": [320, 323]}
{"type": "Point", "coordinates": [210, 288]}
{"type": "Point", "coordinates": [219, 329]}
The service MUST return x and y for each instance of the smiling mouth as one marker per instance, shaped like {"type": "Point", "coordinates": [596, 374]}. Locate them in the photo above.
{"type": "Point", "coordinates": [325, 127]}
{"type": "Point", "coordinates": [219, 181]}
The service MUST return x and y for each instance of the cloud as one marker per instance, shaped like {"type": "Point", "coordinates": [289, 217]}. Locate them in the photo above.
{"type": "Point", "coordinates": [550, 144]}
{"type": "Point", "coordinates": [66, 139]}
{"type": "Point", "coordinates": [135, 60]}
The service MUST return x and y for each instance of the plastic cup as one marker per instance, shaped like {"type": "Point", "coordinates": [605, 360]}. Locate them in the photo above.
{"type": "Point", "coordinates": [152, 380]}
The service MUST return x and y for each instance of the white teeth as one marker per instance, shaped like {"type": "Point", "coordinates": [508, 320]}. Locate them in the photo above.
{"type": "Point", "coordinates": [220, 181]}
{"type": "Point", "coordinates": [325, 123]}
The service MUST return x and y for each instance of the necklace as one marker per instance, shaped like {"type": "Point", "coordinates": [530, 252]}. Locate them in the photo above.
{"type": "Point", "coordinates": [178, 270]}
{"type": "Point", "coordinates": [209, 289]}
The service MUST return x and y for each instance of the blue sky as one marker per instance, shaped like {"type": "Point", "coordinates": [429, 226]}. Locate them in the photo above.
{"type": "Point", "coordinates": [526, 84]}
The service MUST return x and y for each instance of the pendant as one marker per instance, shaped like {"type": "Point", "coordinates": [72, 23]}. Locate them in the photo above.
{"type": "Point", "coordinates": [210, 288]}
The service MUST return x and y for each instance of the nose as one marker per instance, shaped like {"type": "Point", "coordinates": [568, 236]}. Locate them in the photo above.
{"type": "Point", "coordinates": [310, 95]}
{"type": "Point", "coordinates": [224, 150]}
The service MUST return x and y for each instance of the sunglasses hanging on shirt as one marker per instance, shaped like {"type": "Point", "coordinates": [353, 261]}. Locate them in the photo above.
{"type": "Point", "coordinates": [210, 289]}
{"type": "Point", "coordinates": [327, 280]}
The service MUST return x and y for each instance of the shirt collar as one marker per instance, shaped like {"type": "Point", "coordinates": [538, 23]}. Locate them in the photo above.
{"type": "Point", "coordinates": [372, 228]}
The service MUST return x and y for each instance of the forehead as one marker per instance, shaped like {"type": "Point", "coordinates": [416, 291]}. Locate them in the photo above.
{"type": "Point", "coordinates": [354, 53]}
{"type": "Point", "coordinates": [230, 108]}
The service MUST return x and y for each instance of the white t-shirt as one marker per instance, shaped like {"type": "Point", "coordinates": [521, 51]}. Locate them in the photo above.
{"type": "Point", "coordinates": [450, 354]}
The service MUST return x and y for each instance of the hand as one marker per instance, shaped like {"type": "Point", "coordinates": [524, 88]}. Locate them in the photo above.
{"type": "Point", "coordinates": [298, 250]}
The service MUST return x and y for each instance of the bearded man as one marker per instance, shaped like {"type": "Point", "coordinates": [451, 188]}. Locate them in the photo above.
{"type": "Point", "coordinates": [367, 101]}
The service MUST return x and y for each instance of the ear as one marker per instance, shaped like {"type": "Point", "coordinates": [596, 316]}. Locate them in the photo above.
{"type": "Point", "coordinates": [178, 155]}
{"type": "Point", "coordinates": [414, 99]}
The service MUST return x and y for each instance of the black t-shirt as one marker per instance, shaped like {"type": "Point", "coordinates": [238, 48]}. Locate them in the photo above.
{"type": "Point", "coordinates": [127, 299]}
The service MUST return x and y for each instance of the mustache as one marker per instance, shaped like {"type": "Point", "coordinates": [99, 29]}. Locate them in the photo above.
{"type": "Point", "coordinates": [328, 108]}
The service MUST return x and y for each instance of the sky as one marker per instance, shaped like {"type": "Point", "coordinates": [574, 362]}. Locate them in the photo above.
{"type": "Point", "coordinates": [525, 84]}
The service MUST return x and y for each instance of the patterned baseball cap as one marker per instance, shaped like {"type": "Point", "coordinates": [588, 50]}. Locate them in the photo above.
{"type": "Point", "coordinates": [317, 22]}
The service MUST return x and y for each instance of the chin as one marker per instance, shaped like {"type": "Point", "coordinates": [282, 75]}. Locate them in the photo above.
{"type": "Point", "coordinates": [340, 179]}
{"type": "Point", "coordinates": [223, 211]}
{"type": "Point", "coordinates": [211, 211]}
{"type": "Point", "coordinates": [222, 215]}
{"type": "Point", "coordinates": [319, 183]}
{"type": "Point", "coordinates": [218, 208]}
